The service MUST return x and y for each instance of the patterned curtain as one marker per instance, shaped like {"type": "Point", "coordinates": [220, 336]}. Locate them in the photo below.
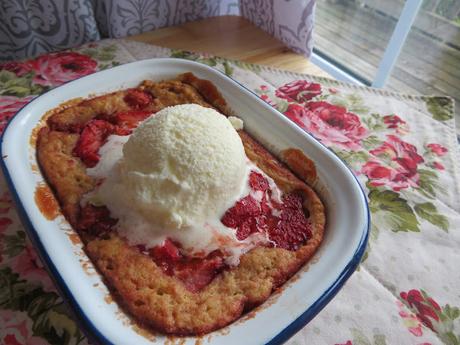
{"type": "Point", "coordinates": [291, 21]}
{"type": "Point", "coordinates": [31, 27]}
{"type": "Point", "coordinates": [120, 18]}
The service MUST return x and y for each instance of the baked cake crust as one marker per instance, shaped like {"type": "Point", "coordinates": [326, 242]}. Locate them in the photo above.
{"type": "Point", "coordinates": [155, 299]}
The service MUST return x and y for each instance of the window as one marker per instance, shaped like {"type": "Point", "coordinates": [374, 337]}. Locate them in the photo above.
{"type": "Point", "coordinates": [363, 39]}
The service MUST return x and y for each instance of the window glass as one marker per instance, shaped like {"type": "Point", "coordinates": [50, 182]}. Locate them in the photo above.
{"type": "Point", "coordinates": [429, 63]}
{"type": "Point", "coordinates": [355, 33]}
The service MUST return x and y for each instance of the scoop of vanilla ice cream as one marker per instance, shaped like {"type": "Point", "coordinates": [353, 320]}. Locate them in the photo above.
{"type": "Point", "coordinates": [183, 165]}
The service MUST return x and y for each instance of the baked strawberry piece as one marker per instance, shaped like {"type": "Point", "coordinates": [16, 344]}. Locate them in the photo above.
{"type": "Point", "coordinates": [91, 139]}
{"type": "Point", "coordinates": [138, 99]}
{"type": "Point", "coordinates": [127, 120]}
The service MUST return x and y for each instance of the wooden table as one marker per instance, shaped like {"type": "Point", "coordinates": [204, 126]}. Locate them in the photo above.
{"type": "Point", "coordinates": [232, 37]}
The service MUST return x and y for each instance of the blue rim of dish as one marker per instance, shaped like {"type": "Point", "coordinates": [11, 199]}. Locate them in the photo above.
{"type": "Point", "coordinates": [93, 333]}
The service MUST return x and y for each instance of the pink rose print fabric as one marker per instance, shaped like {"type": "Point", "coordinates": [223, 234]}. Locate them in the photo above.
{"type": "Point", "coordinates": [29, 267]}
{"type": "Point", "coordinates": [58, 68]}
{"type": "Point", "coordinates": [300, 91]}
{"type": "Point", "coordinates": [55, 68]}
{"type": "Point", "coordinates": [423, 314]}
{"type": "Point", "coordinates": [396, 123]}
{"type": "Point", "coordinates": [332, 125]}
{"type": "Point", "coordinates": [9, 105]}
{"type": "Point", "coordinates": [400, 168]}
{"type": "Point", "coordinates": [437, 149]}
{"type": "Point", "coordinates": [18, 68]}
{"type": "Point", "coordinates": [16, 329]}
{"type": "Point", "coordinates": [410, 320]}
{"type": "Point", "coordinates": [426, 308]}
{"type": "Point", "coordinates": [380, 175]}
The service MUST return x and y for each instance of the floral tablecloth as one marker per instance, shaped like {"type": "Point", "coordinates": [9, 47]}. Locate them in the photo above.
{"type": "Point", "coordinates": [402, 148]}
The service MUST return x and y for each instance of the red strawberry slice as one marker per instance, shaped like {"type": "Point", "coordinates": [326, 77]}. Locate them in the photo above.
{"type": "Point", "coordinates": [289, 230]}
{"type": "Point", "coordinates": [168, 251]}
{"type": "Point", "coordinates": [91, 139]}
{"type": "Point", "coordinates": [198, 273]}
{"type": "Point", "coordinates": [166, 256]}
{"type": "Point", "coordinates": [246, 228]}
{"type": "Point", "coordinates": [293, 228]}
{"type": "Point", "coordinates": [127, 120]}
{"type": "Point", "coordinates": [258, 182]}
{"type": "Point", "coordinates": [243, 209]}
{"type": "Point", "coordinates": [95, 220]}
{"type": "Point", "coordinates": [138, 99]}
{"type": "Point", "coordinates": [195, 273]}
{"type": "Point", "coordinates": [245, 217]}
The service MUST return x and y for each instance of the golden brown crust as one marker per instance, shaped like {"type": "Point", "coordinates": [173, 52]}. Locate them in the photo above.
{"type": "Point", "coordinates": [300, 164]}
{"type": "Point", "coordinates": [73, 119]}
{"type": "Point", "coordinates": [208, 90]}
{"type": "Point", "coordinates": [139, 285]}
{"type": "Point", "coordinates": [65, 173]}
{"type": "Point", "coordinates": [173, 92]}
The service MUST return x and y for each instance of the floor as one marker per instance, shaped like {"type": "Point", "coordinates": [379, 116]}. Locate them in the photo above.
{"type": "Point", "coordinates": [357, 37]}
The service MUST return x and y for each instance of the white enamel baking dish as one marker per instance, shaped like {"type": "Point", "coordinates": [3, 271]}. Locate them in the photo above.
{"type": "Point", "coordinates": [286, 312]}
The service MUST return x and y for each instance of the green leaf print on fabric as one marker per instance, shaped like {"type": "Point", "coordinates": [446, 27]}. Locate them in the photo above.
{"type": "Point", "coordinates": [106, 53]}
{"type": "Point", "coordinates": [371, 142]}
{"type": "Point", "coordinates": [428, 184]}
{"type": "Point", "coordinates": [12, 85]}
{"type": "Point", "coordinates": [375, 231]}
{"type": "Point", "coordinates": [14, 244]}
{"type": "Point", "coordinates": [359, 338]}
{"type": "Point", "coordinates": [57, 327]}
{"type": "Point", "coordinates": [183, 54]}
{"type": "Point", "coordinates": [354, 159]}
{"type": "Point", "coordinates": [228, 69]}
{"type": "Point", "coordinates": [449, 312]}
{"type": "Point", "coordinates": [353, 156]}
{"type": "Point", "coordinates": [373, 235]}
{"type": "Point", "coordinates": [374, 122]}
{"type": "Point", "coordinates": [282, 106]}
{"type": "Point", "coordinates": [247, 65]}
{"type": "Point", "coordinates": [352, 102]}
{"type": "Point", "coordinates": [45, 309]}
{"type": "Point", "coordinates": [441, 108]}
{"type": "Point", "coordinates": [227, 66]}
{"type": "Point", "coordinates": [400, 215]}
{"type": "Point", "coordinates": [449, 338]}
{"type": "Point", "coordinates": [429, 212]}
{"type": "Point", "coordinates": [12, 289]}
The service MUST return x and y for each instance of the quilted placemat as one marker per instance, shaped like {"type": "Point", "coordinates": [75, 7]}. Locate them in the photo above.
{"type": "Point", "coordinates": [402, 148]}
